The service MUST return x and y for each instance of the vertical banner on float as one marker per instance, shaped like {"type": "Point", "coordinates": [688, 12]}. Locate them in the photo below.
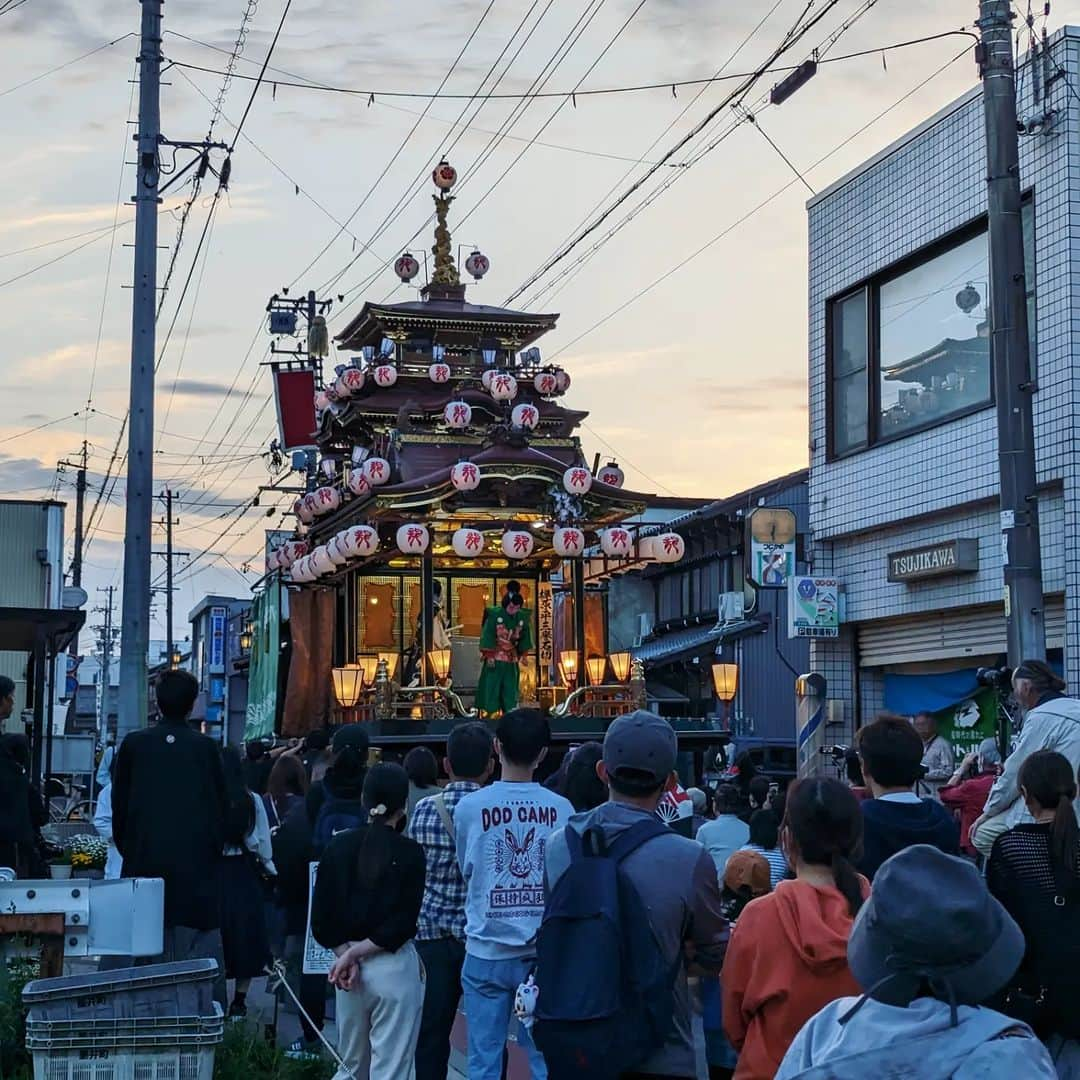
{"type": "Point", "coordinates": [545, 611]}
{"type": "Point", "coordinates": [294, 394]}
{"type": "Point", "coordinates": [263, 673]}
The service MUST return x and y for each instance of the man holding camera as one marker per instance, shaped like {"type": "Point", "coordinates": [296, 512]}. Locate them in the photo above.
{"type": "Point", "coordinates": [938, 760]}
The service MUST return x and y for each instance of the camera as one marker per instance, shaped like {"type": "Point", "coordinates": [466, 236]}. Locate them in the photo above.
{"type": "Point", "coordinates": [837, 753]}
{"type": "Point", "coordinates": [999, 679]}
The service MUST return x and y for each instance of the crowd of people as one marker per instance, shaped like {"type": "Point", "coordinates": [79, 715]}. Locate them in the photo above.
{"type": "Point", "coordinates": [919, 920]}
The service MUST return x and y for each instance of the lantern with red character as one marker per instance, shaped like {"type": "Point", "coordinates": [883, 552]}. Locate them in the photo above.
{"type": "Point", "coordinates": [457, 414]}
{"type": "Point", "coordinates": [577, 480]}
{"type": "Point", "coordinates": [359, 541]}
{"type": "Point", "coordinates": [546, 383]}
{"type": "Point", "coordinates": [616, 542]}
{"type": "Point", "coordinates": [385, 375]}
{"type": "Point", "coordinates": [303, 512]}
{"type": "Point", "coordinates": [478, 265]}
{"type": "Point", "coordinates": [562, 381]}
{"type": "Point", "coordinates": [568, 543]}
{"type": "Point", "coordinates": [468, 543]}
{"type": "Point", "coordinates": [517, 544]}
{"type": "Point", "coordinates": [668, 547]}
{"type": "Point", "coordinates": [445, 176]}
{"type": "Point", "coordinates": [376, 471]}
{"type": "Point", "coordinates": [486, 378]}
{"type": "Point", "coordinates": [439, 373]}
{"type": "Point", "coordinates": [503, 387]}
{"type": "Point", "coordinates": [465, 476]}
{"type": "Point", "coordinates": [358, 482]}
{"type": "Point", "coordinates": [525, 417]}
{"type": "Point", "coordinates": [611, 475]}
{"type": "Point", "coordinates": [329, 499]}
{"type": "Point", "coordinates": [413, 539]}
{"type": "Point", "coordinates": [406, 267]}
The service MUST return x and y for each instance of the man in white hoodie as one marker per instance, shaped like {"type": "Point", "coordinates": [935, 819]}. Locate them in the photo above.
{"type": "Point", "coordinates": [929, 946]}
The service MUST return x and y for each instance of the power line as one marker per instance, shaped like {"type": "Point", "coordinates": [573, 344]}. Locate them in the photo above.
{"type": "Point", "coordinates": [66, 64]}
{"type": "Point", "coordinates": [262, 72]}
{"type": "Point", "coordinates": [304, 83]}
{"type": "Point", "coordinates": [63, 255]}
{"type": "Point", "coordinates": [787, 161]}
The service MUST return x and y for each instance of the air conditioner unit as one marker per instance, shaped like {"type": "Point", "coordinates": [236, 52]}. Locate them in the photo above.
{"type": "Point", "coordinates": [732, 607]}
{"type": "Point", "coordinates": [645, 627]}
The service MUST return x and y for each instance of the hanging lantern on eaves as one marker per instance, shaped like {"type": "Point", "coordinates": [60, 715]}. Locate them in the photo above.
{"type": "Point", "coordinates": [304, 513]}
{"type": "Point", "coordinates": [376, 471]}
{"type": "Point", "coordinates": [333, 547]}
{"type": "Point", "coordinates": [562, 381]}
{"type": "Point", "coordinates": [577, 480]}
{"type": "Point", "coordinates": [611, 475]}
{"type": "Point", "coordinates": [298, 571]}
{"type": "Point", "coordinates": [517, 544]}
{"type": "Point", "coordinates": [465, 476]}
{"type": "Point", "coordinates": [321, 562]}
{"type": "Point", "coordinates": [311, 505]}
{"type": "Point", "coordinates": [467, 543]}
{"type": "Point", "coordinates": [504, 387]}
{"type": "Point", "coordinates": [525, 417]}
{"type": "Point", "coordinates": [616, 542]}
{"type": "Point", "coordinates": [439, 373]}
{"type": "Point", "coordinates": [318, 338]}
{"type": "Point", "coordinates": [568, 542]}
{"type": "Point", "coordinates": [668, 547]}
{"type": "Point", "coordinates": [406, 267]}
{"type": "Point", "coordinates": [329, 499]}
{"type": "Point", "coordinates": [385, 375]}
{"type": "Point", "coordinates": [295, 549]}
{"type": "Point", "coordinates": [358, 483]}
{"type": "Point", "coordinates": [413, 539]}
{"type": "Point", "coordinates": [359, 541]}
{"type": "Point", "coordinates": [457, 414]}
{"type": "Point", "coordinates": [349, 382]}
{"type": "Point", "coordinates": [545, 383]}
{"type": "Point", "coordinates": [486, 377]}
{"type": "Point", "coordinates": [477, 265]}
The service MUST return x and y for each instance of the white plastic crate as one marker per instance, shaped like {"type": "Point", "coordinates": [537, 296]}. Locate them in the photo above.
{"type": "Point", "coordinates": [193, 1064]}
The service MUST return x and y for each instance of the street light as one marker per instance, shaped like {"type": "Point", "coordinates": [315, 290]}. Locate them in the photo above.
{"type": "Point", "coordinates": [597, 668]}
{"type": "Point", "coordinates": [348, 682]}
{"type": "Point", "coordinates": [174, 660]}
{"type": "Point", "coordinates": [620, 665]}
{"type": "Point", "coordinates": [726, 683]}
{"type": "Point", "coordinates": [245, 638]}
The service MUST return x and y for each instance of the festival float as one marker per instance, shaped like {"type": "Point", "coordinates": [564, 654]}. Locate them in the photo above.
{"type": "Point", "coordinates": [448, 478]}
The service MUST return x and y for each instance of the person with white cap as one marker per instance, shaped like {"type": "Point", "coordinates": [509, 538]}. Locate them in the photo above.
{"type": "Point", "coordinates": [928, 947]}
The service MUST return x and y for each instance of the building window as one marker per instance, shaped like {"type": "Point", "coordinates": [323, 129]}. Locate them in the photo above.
{"type": "Point", "coordinates": [910, 349]}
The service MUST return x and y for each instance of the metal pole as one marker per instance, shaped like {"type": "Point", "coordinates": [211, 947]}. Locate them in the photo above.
{"type": "Point", "coordinates": [106, 662]}
{"type": "Point", "coordinates": [1013, 385]}
{"type": "Point", "coordinates": [135, 636]}
{"type": "Point", "coordinates": [168, 576]}
{"type": "Point", "coordinates": [427, 618]}
{"type": "Point", "coordinates": [578, 569]}
{"type": "Point", "coordinates": [80, 499]}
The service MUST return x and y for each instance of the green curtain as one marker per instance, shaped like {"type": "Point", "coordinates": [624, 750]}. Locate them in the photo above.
{"type": "Point", "coordinates": [263, 673]}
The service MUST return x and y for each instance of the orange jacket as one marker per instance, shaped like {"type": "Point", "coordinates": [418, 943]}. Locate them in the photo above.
{"type": "Point", "coordinates": [787, 958]}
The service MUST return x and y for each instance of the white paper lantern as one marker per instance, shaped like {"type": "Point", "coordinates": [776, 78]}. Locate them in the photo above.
{"type": "Point", "coordinates": [358, 482]}
{"type": "Point", "coordinates": [546, 383]}
{"type": "Point", "coordinates": [562, 381]}
{"type": "Point", "coordinates": [468, 543]}
{"type": "Point", "coordinates": [439, 373]}
{"type": "Point", "coordinates": [465, 476]}
{"type": "Point", "coordinates": [298, 570]}
{"type": "Point", "coordinates": [272, 562]}
{"type": "Point", "coordinates": [457, 414]}
{"type": "Point", "coordinates": [359, 541]}
{"type": "Point", "coordinates": [616, 542]}
{"type": "Point", "coordinates": [568, 543]}
{"type": "Point", "coordinates": [385, 375]}
{"type": "Point", "coordinates": [329, 499]}
{"type": "Point", "coordinates": [668, 547]}
{"type": "Point", "coordinates": [349, 382]}
{"type": "Point", "coordinates": [295, 549]}
{"type": "Point", "coordinates": [333, 546]}
{"type": "Point", "coordinates": [413, 539]}
{"type": "Point", "coordinates": [303, 512]}
{"type": "Point", "coordinates": [485, 379]}
{"type": "Point", "coordinates": [577, 480]}
{"type": "Point", "coordinates": [525, 417]}
{"type": "Point", "coordinates": [376, 471]}
{"type": "Point", "coordinates": [477, 264]}
{"type": "Point", "coordinates": [645, 547]}
{"type": "Point", "coordinates": [517, 544]}
{"type": "Point", "coordinates": [406, 267]}
{"type": "Point", "coordinates": [311, 505]}
{"type": "Point", "coordinates": [503, 387]}
{"type": "Point", "coordinates": [444, 175]}
{"type": "Point", "coordinates": [321, 562]}
{"type": "Point", "coordinates": [322, 401]}
{"type": "Point", "coordinates": [611, 475]}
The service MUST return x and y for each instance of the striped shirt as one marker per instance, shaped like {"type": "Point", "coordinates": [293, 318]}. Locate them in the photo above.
{"type": "Point", "coordinates": [778, 867]}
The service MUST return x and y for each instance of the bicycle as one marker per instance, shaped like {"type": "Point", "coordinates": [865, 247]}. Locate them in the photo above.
{"type": "Point", "coordinates": [68, 801]}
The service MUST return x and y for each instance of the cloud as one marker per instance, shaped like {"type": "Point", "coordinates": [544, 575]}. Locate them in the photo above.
{"type": "Point", "coordinates": [782, 393]}
{"type": "Point", "coordinates": [200, 388]}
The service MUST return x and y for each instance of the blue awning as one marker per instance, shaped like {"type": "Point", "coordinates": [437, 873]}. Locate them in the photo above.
{"type": "Point", "coordinates": [911, 694]}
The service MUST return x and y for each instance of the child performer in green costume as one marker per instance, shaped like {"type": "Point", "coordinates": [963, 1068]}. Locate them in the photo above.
{"type": "Point", "coordinates": [505, 639]}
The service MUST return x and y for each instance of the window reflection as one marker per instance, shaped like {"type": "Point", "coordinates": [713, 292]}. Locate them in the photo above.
{"type": "Point", "coordinates": [935, 344]}
{"type": "Point", "coordinates": [849, 390]}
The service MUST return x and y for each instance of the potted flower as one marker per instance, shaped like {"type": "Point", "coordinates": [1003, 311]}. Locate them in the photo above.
{"type": "Point", "coordinates": [60, 865]}
{"type": "Point", "coordinates": [88, 856]}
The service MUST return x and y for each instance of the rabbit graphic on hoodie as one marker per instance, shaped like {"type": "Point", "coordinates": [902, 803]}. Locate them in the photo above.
{"type": "Point", "coordinates": [787, 959]}
{"type": "Point", "coordinates": [502, 833]}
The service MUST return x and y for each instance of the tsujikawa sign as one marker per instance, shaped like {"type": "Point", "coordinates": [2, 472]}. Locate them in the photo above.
{"type": "Point", "coordinates": [934, 560]}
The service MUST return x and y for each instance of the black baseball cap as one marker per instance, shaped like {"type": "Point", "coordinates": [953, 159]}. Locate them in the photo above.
{"type": "Point", "coordinates": [643, 742]}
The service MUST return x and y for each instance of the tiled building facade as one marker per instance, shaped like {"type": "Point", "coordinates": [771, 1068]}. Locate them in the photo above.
{"type": "Point", "coordinates": [902, 423]}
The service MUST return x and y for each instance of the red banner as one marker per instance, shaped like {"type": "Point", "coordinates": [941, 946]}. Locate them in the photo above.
{"type": "Point", "coordinates": [294, 390]}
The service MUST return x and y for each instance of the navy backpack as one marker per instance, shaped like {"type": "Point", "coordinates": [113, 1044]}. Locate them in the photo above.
{"type": "Point", "coordinates": [606, 993]}
{"type": "Point", "coordinates": [336, 816]}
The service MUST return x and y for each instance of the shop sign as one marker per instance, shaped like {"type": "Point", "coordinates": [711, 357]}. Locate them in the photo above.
{"type": "Point", "coordinates": [771, 535]}
{"type": "Point", "coordinates": [218, 616]}
{"type": "Point", "coordinates": [545, 610]}
{"type": "Point", "coordinates": [813, 607]}
{"type": "Point", "coordinates": [935, 560]}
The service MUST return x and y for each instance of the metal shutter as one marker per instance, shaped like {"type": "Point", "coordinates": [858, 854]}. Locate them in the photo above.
{"type": "Point", "coordinates": [949, 634]}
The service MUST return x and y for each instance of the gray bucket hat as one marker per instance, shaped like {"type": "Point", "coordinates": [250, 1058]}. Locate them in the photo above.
{"type": "Point", "coordinates": [931, 922]}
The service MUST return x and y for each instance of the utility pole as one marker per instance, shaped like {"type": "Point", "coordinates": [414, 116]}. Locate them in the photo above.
{"type": "Point", "coordinates": [80, 504]}
{"type": "Point", "coordinates": [1009, 352]}
{"type": "Point", "coordinates": [105, 643]}
{"type": "Point", "coordinates": [135, 639]}
{"type": "Point", "coordinates": [169, 555]}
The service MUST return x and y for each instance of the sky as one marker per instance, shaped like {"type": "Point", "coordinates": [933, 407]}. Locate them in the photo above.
{"type": "Point", "coordinates": [697, 386]}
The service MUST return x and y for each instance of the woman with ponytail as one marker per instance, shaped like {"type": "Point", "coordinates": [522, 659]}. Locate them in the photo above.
{"type": "Point", "coordinates": [1034, 870]}
{"type": "Point", "coordinates": [367, 899]}
{"type": "Point", "coordinates": [788, 955]}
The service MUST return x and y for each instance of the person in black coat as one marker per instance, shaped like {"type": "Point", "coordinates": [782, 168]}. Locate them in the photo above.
{"type": "Point", "coordinates": [22, 811]}
{"type": "Point", "coordinates": [169, 805]}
